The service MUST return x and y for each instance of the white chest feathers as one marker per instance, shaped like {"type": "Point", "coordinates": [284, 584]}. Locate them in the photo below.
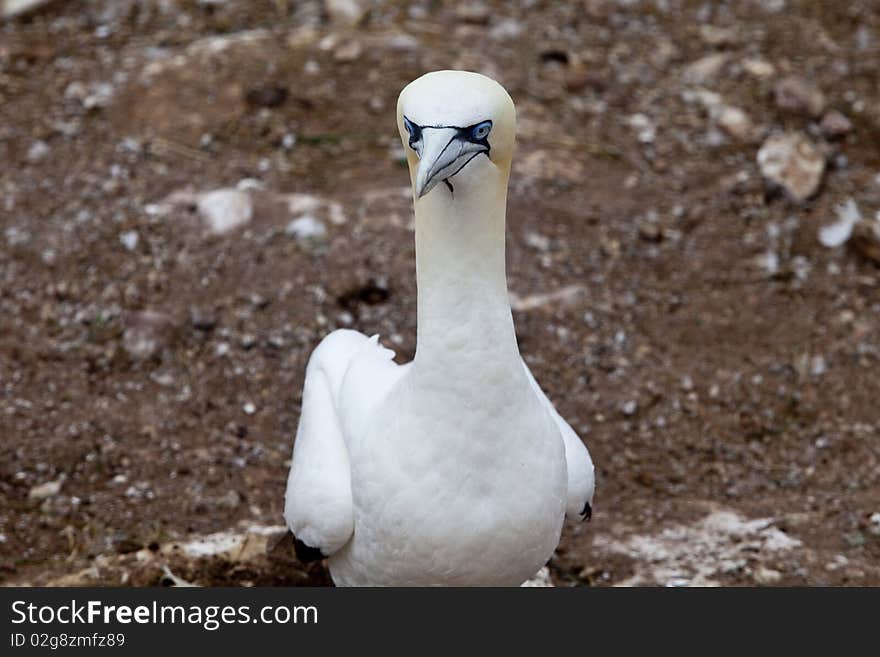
{"type": "Point", "coordinates": [452, 484]}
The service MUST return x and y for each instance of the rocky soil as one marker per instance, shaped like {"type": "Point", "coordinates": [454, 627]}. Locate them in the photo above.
{"type": "Point", "coordinates": [194, 192]}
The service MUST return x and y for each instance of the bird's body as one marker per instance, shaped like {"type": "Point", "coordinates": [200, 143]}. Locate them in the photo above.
{"type": "Point", "coordinates": [455, 468]}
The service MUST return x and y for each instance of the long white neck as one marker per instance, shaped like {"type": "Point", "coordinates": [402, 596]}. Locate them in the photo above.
{"type": "Point", "coordinates": [464, 318]}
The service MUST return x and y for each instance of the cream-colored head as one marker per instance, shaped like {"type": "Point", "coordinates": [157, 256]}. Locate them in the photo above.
{"type": "Point", "coordinates": [457, 128]}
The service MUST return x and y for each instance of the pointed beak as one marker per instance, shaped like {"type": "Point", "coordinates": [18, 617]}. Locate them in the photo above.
{"type": "Point", "coordinates": [438, 151]}
{"type": "Point", "coordinates": [444, 153]}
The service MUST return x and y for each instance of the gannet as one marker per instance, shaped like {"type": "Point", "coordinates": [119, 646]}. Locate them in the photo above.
{"type": "Point", "coordinates": [453, 469]}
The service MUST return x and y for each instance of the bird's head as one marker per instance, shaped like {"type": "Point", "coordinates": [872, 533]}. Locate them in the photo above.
{"type": "Point", "coordinates": [457, 128]}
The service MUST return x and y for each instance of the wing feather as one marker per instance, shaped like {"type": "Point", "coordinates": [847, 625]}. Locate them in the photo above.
{"type": "Point", "coordinates": [581, 475]}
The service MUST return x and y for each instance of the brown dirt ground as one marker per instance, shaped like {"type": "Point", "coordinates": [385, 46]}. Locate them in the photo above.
{"type": "Point", "coordinates": [753, 392]}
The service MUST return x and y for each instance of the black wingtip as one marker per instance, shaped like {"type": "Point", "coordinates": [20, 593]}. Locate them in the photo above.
{"type": "Point", "coordinates": [587, 513]}
{"type": "Point", "coordinates": [306, 553]}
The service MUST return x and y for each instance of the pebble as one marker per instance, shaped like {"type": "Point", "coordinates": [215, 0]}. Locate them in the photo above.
{"type": "Point", "coordinates": [537, 241]}
{"type": "Point", "coordinates": [836, 234]}
{"type": "Point", "coordinates": [629, 407]}
{"type": "Point", "coordinates": [477, 13]}
{"type": "Point", "coordinates": [345, 12]}
{"type": "Point", "coordinates": [46, 490]}
{"type": "Point", "coordinates": [835, 124]}
{"type": "Point", "coordinates": [224, 210]}
{"type": "Point", "coordinates": [201, 319]}
{"type": "Point", "coordinates": [231, 500]}
{"type": "Point", "coordinates": [735, 122]}
{"type": "Point", "coordinates": [306, 228]}
{"type": "Point", "coordinates": [764, 575]}
{"type": "Point", "coordinates": [129, 239]}
{"type": "Point", "coordinates": [793, 162]}
{"type": "Point", "coordinates": [644, 127]}
{"type": "Point", "coordinates": [11, 8]}
{"type": "Point", "coordinates": [759, 68]}
{"type": "Point", "coordinates": [705, 69]}
{"type": "Point", "coordinates": [506, 28]}
{"type": "Point", "coordinates": [37, 151]}
{"type": "Point", "coordinates": [799, 96]}
{"type": "Point", "coordinates": [100, 96]}
{"type": "Point", "coordinates": [146, 334]}
{"type": "Point", "coordinates": [718, 37]}
{"type": "Point", "coordinates": [249, 408]}
{"type": "Point", "coordinates": [348, 51]}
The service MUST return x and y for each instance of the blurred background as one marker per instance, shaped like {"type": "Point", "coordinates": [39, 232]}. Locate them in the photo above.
{"type": "Point", "coordinates": [194, 192]}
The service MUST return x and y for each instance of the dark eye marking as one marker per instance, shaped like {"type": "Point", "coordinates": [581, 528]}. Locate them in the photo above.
{"type": "Point", "coordinates": [415, 133]}
{"type": "Point", "coordinates": [478, 133]}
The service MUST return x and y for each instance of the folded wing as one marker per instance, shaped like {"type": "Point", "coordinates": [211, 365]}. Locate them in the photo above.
{"type": "Point", "coordinates": [581, 476]}
{"type": "Point", "coordinates": [318, 504]}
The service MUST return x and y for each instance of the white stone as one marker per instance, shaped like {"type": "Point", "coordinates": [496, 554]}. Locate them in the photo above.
{"type": "Point", "coordinates": [129, 239]}
{"type": "Point", "coordinates": [46, 490]}
{"type": "Point", "coordinates": [306, 228]}
{"type": "Point", "coordinates": [836, 234]}
{"type": "Point", "coordinates": [793, 162]}
{"type": "Point", "coordinates": [12, 8]}
{"type": "Point", "coordinates": [224, 210]}
{"type": "Point", "coordinates": [345, 12]}
{"type": "Point", "coordinates": [38, 150]}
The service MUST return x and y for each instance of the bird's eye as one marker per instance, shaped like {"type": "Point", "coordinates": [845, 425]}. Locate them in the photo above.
{"type": "Point", "coordinates": [415, 133]}
{"type": "Point", "coordinates": [481, 130]}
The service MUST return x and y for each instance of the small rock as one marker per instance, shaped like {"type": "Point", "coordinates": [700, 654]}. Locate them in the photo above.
{"type": "Point", "coordinates": [348, 51]}
{"type": "Point", "coordinates": [506, 28]}
{"type": "Point", "coordinates": [644, 127]}
{"type": "Point", "coordinates": [705, 69]}
{"type": "Point", "coordinates": [225, 209]}
{"type": "Point", "coordinates": [835, 125]}
{"type": "Point", "coordinates": [249, 408]}
{"type": "Point", "coordinates": [563, 296]}
{"type": "Point", "coordinates": [146, 334]}
{"type": "Point", "coordinates": [798, 96]}
{"type": "Point", "coordinates": [764, 575]}
{"type": "Point", "coordinates": [16, 236]}
{"type": "Point", "coordinates": [477, 13]}
{"type": "Point", "coordinates": [306, 228]}
{"type": "Point", "coordinates": [875, 524]}
{"type": "Point", "coordinates": [231, 500]}
{"type": "Point", "coordinates": [100, 96]}
{"type": "Point", "coordinates": [793, 162]}
{"type": "Point", "coordinates": [759, 68]}
{"type": "Point", "coordinates": [866, 238]}
{"type": "Point", "coordinates": [346, 12]}
{"type": "Point", "coordinates": [629, 407]}
{"type": "Point", "coordinates": [650, 231]}
{"type": "Point", "coordinates": [247, 341]}
{"type": "Point", "coordinates": [734, 122]}
{"type": "Point", "coordinates": [718, 37]}
{"type": "Point", "coordinates": [836, 234]}
{"type": "Point", "coordinates": [13, 8]}
{"type": "Point", "coordinates": [201, 319]}
{"type": "Point", "coordinates": [46, 490]}
{"type": "Point", "coordinates": [129, 239]}
{"type": "Point", "coordinates": [537, 241]}
{"type": "Point", "coordinates": [37, 151]}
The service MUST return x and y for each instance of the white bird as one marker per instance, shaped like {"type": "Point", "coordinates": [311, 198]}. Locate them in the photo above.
{"type": "Point", "coordinates": [453, 469]}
